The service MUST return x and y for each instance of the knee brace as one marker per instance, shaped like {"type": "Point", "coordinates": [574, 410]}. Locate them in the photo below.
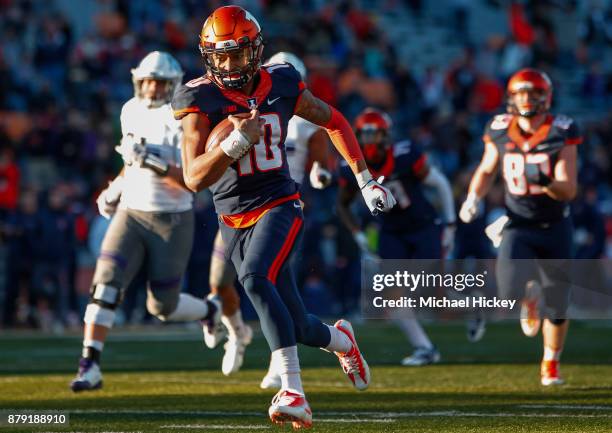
{"type": "Point", "coordinates": [104, 299]}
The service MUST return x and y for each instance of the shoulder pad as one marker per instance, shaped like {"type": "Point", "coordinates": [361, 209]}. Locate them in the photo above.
{"type": "Point", "coordinates": [402, 148]}
{"type": "Point", "coordinates": [285, 75]}
{"type": "Point", "coordinates": [562, 121]}
{"type": "Point", "coordinates": [500, 121]}
{"type": "Point", "coordinates": [188, 97]}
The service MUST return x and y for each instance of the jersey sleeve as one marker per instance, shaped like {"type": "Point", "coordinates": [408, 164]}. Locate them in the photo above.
{"type": "Point", "coordinates": [288, 78]}
{"type": "Point", "coordinates": [496, 127]}
{"type": "Point", "coordinates": [573, 135]}
{"type": "Point", "coordinates": [185, 101]}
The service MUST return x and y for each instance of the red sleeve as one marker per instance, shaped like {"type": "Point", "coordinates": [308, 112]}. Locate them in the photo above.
{"type": "Point", "coordinates": [341, 134]}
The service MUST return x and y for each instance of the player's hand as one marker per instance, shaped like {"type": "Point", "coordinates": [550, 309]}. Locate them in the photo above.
{"type": "Point", "coordinates": [319, 177]}
{"type": "Point", "coordinates": [249, 126]}
{"type": "Point", "coordinates": [362, 242]}
{"type": "Point", "coordinates": [108, 200]}
{"type": "Point", "coordinates": [377, 197]}
{"type": "Point", "coordinates": [448, 238]}
{"type": "Point", "coordinates": [535, 176]}
{"type": "Point", "coordinates": [494, 231]}
{"type": "Point", "coordinates": [131, 149]}
{"type": "Point", "coordinates": [469, 209]}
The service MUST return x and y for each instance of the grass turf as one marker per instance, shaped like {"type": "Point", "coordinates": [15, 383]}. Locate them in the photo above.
{"type": "Point", "coordinates": [164, 380]}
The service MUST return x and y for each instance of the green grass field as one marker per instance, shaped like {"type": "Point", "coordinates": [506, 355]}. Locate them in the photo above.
{"type": "Point", "coordinates": [164, 380]}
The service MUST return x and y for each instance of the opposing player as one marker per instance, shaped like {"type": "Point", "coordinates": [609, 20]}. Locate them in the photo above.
{"type": "Point", "coordinates": [537, 154]}
{"type": "Point", "coordinates": [256, 199]}
{"type": "Point", "coordinates": [411, 230]}
{"type": "Point", "coordinates": [153, 218]}
{"type": "Point", "coordinates": [304, 142]}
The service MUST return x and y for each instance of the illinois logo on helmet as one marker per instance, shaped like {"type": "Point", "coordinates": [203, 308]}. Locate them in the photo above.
{"type": "Point", "coordinates": [529, 92]}
{"type": "Point", "coordinates": [232, 46]}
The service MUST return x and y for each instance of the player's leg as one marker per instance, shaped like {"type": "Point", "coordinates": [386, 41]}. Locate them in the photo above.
{"type": "Point", "coordinates": [517, 276]}
{"type": "Point", "coordinates": [555, 271]}
{"type": "Point", "coordinates": [309, 330]}
{"type": "Point", "coordinates": [168, 242]}
{"type": "Point", "coordinates": [221, 281]}
{"type": "Point", "coordinates": [120, 258]}
{"type": "Point", "coordinates": [394, 246]}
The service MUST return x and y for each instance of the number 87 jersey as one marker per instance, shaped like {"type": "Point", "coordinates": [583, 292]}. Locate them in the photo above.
{"type": "Point", "coordinates": [518, 154]}
{"type": "Point", "coordinates": [260, 179]}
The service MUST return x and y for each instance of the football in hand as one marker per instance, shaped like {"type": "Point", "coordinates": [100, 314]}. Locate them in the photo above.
{"type": "Point", "coordinates": [221, 131]}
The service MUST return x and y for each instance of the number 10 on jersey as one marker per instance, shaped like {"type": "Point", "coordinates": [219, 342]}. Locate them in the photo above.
{"type": "Point", "coordinates": [265, 155]}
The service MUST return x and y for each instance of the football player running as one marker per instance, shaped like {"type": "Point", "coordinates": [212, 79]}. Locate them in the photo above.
{"type": "Point", "coordinates": [153, 218]}
{"type": "Point", "coordinates": [305, 142]}
{"type": "Point", "coordinates": [411, 230]}
{"type": "Point", "coordinates": [537, 154]}
{"type": "Point", "coordinates": [256, 199]}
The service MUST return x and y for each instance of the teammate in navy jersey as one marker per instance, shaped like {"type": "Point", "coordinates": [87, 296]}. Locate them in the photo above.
{"type": "Point", "coordinates": [256, 199]}
{"type": "Point", "coordinates": [537, 154]}
{"type": "Point", "coordinates": [411, 230]}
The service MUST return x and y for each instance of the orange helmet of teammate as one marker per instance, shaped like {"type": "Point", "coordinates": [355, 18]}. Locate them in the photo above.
{"type": "Point", "coordinates": [529, 92]}
{"type": "Point", "coordinates": [232, 46]}
{"type": "Point", "coordinates": [373, 130]}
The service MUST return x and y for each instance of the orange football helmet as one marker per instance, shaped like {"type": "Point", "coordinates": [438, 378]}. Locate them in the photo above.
{"type": "Point", "coordinates": [373, 130]}
{"type": "Point", "coordinates": [537, 89]}
{"type": "Point", "coordinates": [232, 46]}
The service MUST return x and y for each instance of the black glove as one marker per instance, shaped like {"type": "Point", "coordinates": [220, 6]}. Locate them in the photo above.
{"type": "Point", "coordinates": [535, 176]}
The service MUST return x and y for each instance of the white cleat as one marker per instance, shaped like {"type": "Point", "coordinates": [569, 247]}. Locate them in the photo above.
{"type": "Point", "coordinates": [422, 356]}
{"type": "Point", "coordinates": [234, 351]}
{"type": "Point", "coordinates": [214, 330]}
{"type": "Point", "coordinates": [353, 363]}
{"type": "Point", "coordinates": [270, 381]}
{"type": "Point", "coordinates": [289, 406]}
{"type": "Point", "coordinates": [89, 376]}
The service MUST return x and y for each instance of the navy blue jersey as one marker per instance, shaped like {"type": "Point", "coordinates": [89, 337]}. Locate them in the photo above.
{"type": "Point", "coordinates": [400, 167]}
{"type": "Point", "coordinates": [261, 178]}
{"type": "Point", "coordinates": [525, 202]}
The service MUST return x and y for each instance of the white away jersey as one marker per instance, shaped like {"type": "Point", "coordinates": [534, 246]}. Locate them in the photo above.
{"type": "Point", "coordinates": [143, 189]}
{"type": "Point", "coordinates": [299, 132]}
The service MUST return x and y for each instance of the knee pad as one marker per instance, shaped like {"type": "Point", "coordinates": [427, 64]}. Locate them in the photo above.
{"type": "Point", "coordinates": [557, 322]}
{"type": "Point", "coordinates": [95, 314]}
{"type": "Point", "coordinates": [106, 296]}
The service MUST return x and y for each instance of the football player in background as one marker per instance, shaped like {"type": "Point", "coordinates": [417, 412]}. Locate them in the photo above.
{"type": "Point", "coordinates": [536, 151]}
{"type": "Point", "coordinates": [412, 229]}
{"type": "Point", "coordinates": [256, 199]}
{"type": "Point", "coordinates": [305, 142]}
{"type": "Point", "coordinates": [153, 218]}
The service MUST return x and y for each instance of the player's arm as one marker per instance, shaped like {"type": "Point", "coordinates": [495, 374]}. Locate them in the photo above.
{"type": "Point", "coordinates": [308, 107]}
{"type": "Point", "coordinates": [201, 169]}
{"type": "Point", "coordinates": [346, 195]}
{"type": "Point", "coordinates": [481, 182]}
{"type": "Point", "coordinates": [433, 178]}
{"type": "Point", "coordinates": [564, 184]}
{"type": "Point", "coordinates": [320, 177]}
{"type": "Point", "coordinates": [108, 200]}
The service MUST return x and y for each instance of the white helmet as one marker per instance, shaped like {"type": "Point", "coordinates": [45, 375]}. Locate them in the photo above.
{"type": "Point", "coordinates": [159, 66]}
{"type": "Point", "coordinates": [292, 59]}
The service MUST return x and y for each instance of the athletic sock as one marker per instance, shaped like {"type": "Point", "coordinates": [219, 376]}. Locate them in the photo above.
{"type": "Point", "coordinates": [287, 365]}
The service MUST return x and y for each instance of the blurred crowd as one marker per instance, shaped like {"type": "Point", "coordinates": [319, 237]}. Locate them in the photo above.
{"type": "Point", "coordinates": [65, 73]}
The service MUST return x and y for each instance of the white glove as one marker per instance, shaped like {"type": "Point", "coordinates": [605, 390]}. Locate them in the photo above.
{"type": "Point", "coordinates": [495, 230]}
{"type": "Point", "coordinates": [362, 242]}
{"type": "Point", "coordinates": [131, 149]}
{"type": "Point", "coordinates": [448, 238]}
{"type": "Point", "coordinates": [377, 197]}
{"type": "Point", "coordinates": [470, 208]}
{"type": "Point", "coordinates": [319, 177]}
{"type": "Point", "coordinates": [108, 200]}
